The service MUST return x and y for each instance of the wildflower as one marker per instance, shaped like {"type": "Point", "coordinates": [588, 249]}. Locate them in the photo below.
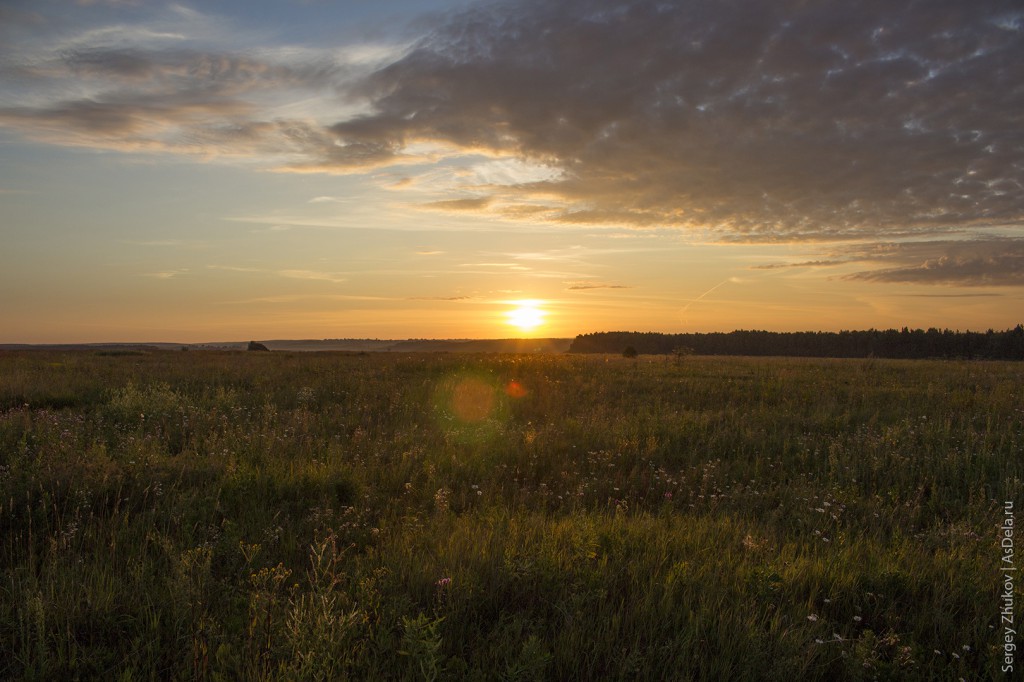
{"type": "Point", "coordinates": [857, 619]}
{"type": "Point", "coordinates": [813, 618]}
{"type": "Point", "coordinates": [444, 582]}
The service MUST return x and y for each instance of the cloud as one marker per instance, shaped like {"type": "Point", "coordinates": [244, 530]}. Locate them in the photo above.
{"type": "Point", "coordinates": [199, 70]}
{"type": "Point", "coordinates": [981, 261]}
{"type": "Point", "coordinates": [509, 266]}
{"type": "Point", "coordinates": [458, 205]}
{"type": "Point", "coordinates": [972, 263]}
{"type": "Point", "coordinates": [168, 274]}
{"type": "Point", "coordinates": [233, 268]}
{"type": "Point", "coordinates": [155, 88]}
{"type": "Point", "coordinates": [333, 277]}
{"type": "Point", "coordinates": [441, 298]}
{"type": "Point", "coordinates": [767, 121]}
{"type": "Point", "coordinates": [294, 298]}
{"type": "Point", "coordinates": [785, 121]}
{"type": "Point", "coordinates": [986, 295]}
{"type": "Point", "coordinates": [804, 264]}
{"type": "Point", "coordinates": [112, 3]}
{"type": "Point", "coordinates": [587, 286]}
{"type": "Point", "coordinates": [330, 200]}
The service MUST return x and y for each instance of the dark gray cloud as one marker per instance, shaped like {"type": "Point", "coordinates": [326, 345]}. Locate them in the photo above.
{"type": "Point", "coordinates": [764, 120]}
{"type": "Point", "coordinates": [804, 264]}
{"type": "Point", "coordinates": [985, 295]}
{"type": "Point", "coordinates": [973, 263]}
{"type": "Point", "coordinates": [982, 261]}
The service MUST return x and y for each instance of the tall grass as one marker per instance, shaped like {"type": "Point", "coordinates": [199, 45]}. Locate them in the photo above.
{"type": "Point", "coordinates": [220, 516]}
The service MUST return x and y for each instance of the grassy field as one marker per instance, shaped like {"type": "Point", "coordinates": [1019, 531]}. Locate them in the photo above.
{"type": "Point", "coordinates": [224, 516]}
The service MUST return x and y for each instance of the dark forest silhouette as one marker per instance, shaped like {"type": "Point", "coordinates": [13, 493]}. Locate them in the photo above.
{"type": "Point", "coordinates": [891, 343]}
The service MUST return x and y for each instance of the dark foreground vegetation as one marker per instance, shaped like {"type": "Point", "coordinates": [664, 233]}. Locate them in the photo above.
{"type": "Point", "coordinates": [890, 343]}
{"type": "Point", "coordinates": [226, 516]}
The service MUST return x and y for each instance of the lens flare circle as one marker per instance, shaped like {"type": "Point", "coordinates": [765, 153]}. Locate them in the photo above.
{"type": "Point", "coordinates": [471, 407]}
{"type": "Point", "coordinates": [473, 400]}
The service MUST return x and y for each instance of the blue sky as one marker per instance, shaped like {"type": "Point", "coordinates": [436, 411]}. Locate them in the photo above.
{"type": "Point", "coordinates": [312, 169]}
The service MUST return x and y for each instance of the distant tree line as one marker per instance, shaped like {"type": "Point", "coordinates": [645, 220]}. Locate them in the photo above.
{"type": "Point", "coordinates": [890, 343]}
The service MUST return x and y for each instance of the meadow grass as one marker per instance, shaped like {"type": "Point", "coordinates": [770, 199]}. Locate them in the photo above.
{"type": "Point", "coordinates": [222, 516]}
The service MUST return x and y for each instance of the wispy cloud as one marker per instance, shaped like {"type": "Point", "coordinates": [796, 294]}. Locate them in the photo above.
{"type": "Point", "coordinates": [332, 277]}
{"type": "Point", "coordinates": [233, 268]}
{"type": "Point", "coordinates": [330, 200]}
{"type": "Point", "coordinates": [441, 298]}
{"type": "Point", "coordinates": [470, 204]}
{"type": "Point", "coordinates": [985, 295]}
{"type": "Point", "coordinates": [314, 275]}
{"type": "Point", "coordinates": [496, 266]}
{"type": "Point", "coordinates": [802, 264]}
{"type": "Point", "coordinates": [296, 298]}
{"type": "Point", "coordinates": [168, 274]}
{"type": "Point", "coordinates": [587, 286]}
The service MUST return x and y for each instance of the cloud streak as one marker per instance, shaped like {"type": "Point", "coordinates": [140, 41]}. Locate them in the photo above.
{"type": "Point", "coordinates": [588, 286]}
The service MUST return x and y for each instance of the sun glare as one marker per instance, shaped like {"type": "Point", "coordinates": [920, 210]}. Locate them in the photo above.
{"type": "Point", "coordinates": [526, 315]}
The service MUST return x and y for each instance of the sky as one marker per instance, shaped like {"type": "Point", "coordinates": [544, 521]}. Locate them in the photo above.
{"type": "Point", "coordinates": [291, 169]}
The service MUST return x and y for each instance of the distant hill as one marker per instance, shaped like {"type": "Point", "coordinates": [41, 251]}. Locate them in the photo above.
{"type": "Point", "coordinates": [426, 345]}
{"type": "Point", "coordinates": [484, 346]}
{"type": "Point", "coordinates": [551, 345]}
{"type": "Point", "coordinates": [113, 347]}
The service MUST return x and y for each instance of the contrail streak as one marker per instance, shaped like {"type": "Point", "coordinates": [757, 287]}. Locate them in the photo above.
{"type": "Point", "coordinates": [694, 300]}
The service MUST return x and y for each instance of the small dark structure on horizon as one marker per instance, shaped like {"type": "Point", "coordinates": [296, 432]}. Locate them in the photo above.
{"type": "Point", "coordinates": [254, 345]}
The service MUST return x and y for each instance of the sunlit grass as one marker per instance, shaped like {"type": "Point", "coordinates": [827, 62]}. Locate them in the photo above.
{"type": "Point", "coordinates": [329, 516]}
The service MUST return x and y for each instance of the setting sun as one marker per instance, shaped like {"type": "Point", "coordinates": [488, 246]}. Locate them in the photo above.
{"type": "Point", "coordinates": [527, 315]}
